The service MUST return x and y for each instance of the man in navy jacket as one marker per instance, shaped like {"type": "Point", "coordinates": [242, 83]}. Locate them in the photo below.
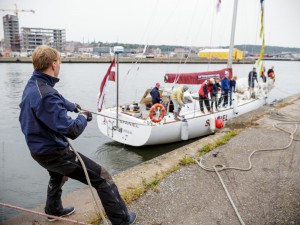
{"type": "Point", "coordinates": [155, 94]}
{"type": "Point", "coordinates": [46, 124]}
{"type": "Point", "coordinates": [225, 88]}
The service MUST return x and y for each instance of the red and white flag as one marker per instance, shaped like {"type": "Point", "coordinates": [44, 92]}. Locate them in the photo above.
{"type": "Point", "coordinates": [110, 75]}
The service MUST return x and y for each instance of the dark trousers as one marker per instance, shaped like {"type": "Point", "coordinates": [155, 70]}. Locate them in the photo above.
{"type": "Point", "coordinates": [214, 99]}
{"type": "Point", "coordinates": [65, 164]}
{"type": "Point", "coordinates": [206, 102]}
{"type": "Point", "coordinates": [224, 96]}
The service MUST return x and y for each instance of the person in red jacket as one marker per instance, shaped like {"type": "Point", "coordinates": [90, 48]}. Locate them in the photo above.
{"type": "Point", "coordinates": [271, 72]}
{"type": "Point", "coordinates": [204, 95]}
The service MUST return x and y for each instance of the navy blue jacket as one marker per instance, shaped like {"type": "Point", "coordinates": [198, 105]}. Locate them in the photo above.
{"type": "Point", "coordinates": [252, 76]}
{"type": "Point", "coordinates": [215, 89]}
{"type": "Point", "coordinates": [43, 117]}
{"type": "Point", "coordinates": [155, 95]}
{"type": "Point", "coordinates": [225, 84]}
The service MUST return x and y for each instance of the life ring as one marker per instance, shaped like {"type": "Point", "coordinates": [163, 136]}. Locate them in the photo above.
{"type": "Point", "coordinates": [153, 109]}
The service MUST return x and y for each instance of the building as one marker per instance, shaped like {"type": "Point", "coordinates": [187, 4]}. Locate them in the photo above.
{"type": "Point", "coordinates": [33, 37]}
{"type": "Point", "coordinates": [102, 51]}
{"type": "Point", "coordinates": [220, 54]}
{"type": "Point", "coordinates": [11, 33]}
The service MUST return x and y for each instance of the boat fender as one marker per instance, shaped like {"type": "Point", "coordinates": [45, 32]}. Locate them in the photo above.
{"type": "Point", "coordinates": [235, 108]}
{"type": "Point", "coordinates": [219, 123]}
{"type": "Point", "coordinates": [212, 123]}
{"type": "Point", "coordinates": [155, 108]}
{"type": "Point", "coordinates": [184, 130]}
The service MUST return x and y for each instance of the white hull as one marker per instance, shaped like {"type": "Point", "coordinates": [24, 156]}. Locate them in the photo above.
{"type": "Point", "coordinates": [139, 132]}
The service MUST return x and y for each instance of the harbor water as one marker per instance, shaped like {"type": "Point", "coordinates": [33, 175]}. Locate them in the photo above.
{"type": "Point", "coordinates": [24, 183]}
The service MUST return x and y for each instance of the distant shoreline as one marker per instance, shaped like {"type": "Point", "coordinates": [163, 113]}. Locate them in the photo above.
{"type": "Point", "coordinates": [143, 60]}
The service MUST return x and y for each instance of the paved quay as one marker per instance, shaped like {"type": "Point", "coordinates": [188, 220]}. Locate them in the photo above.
{"type": "Point", "coordinates": [269, 193]}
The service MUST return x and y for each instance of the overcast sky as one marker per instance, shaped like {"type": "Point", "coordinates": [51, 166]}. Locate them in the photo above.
{"type": "Point", "coordinates": [169, 22]}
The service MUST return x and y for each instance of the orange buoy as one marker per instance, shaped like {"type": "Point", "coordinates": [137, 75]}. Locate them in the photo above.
{"type": "Point", "coordinates": [155, 108]}
{"type": "Point", "coordinates": [219, 123]}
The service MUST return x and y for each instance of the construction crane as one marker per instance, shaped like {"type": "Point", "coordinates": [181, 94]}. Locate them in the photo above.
{"type": "Point", "coordinates": [16, 11]}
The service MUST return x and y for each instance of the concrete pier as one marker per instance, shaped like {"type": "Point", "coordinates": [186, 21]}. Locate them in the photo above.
{"type": "Point", "coordinates": [130, 60]}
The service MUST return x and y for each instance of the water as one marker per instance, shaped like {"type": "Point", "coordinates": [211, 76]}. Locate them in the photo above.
{"type": "Point", "coordinates": [23, 182]}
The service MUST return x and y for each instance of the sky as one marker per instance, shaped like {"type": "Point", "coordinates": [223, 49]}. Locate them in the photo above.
{"type": "Point", "coordinates": [163, 22]}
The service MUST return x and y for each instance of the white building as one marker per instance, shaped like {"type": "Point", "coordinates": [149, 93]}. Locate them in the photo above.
{"type": "Point", "coordinates": [33, 37]}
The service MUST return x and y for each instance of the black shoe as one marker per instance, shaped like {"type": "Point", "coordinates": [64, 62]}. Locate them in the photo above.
{"type": "Point", "coordinates": [132, 218]}
{"type": "Point", "coordinates": [66, 212]}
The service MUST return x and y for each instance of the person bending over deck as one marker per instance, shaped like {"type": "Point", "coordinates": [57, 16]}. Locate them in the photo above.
{"type": "Point", "coordinates": [203, 95]}
{"type": "Point", "coordinates": [46, 124]}
{"type": "Point", "coordinates": [215, 87]}
{"type": "Point", "coordinates": [177, 99]}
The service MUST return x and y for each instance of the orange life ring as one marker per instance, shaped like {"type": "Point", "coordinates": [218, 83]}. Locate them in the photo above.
{"type": "Point", "coordinates": [162, 113]}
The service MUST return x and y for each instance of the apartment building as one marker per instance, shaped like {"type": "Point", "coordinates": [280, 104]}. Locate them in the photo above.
{"type": "Point", "coordinates": [11, 33]}
{"type": "Point", "coordinates": [32, 37]}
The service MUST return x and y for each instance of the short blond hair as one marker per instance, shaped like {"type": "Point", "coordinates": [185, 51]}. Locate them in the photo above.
{"type": "Point", "coordinates": [43, 56]}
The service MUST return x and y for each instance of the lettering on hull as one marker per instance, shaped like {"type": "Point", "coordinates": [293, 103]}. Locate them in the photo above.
{"type": "Point", "coordinates": [129, 123]}
{"type": "Point", "coordinates": [222, 117]}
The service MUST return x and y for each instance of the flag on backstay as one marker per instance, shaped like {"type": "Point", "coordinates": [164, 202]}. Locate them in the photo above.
{"type": "Point", "coordinates": [110, 75]}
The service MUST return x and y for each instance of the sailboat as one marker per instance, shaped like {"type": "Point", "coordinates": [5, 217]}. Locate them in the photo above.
{"type": "Point", "coordinates": [136, 125]}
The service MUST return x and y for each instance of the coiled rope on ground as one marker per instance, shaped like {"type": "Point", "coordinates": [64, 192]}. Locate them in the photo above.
{"type": "Point", "coordinates": [220, 167]}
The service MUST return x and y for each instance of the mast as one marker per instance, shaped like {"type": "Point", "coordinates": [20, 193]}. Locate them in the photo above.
{"type": "Point", "coordinates": [117, 51]}
{"type": "Point", "coordinates": [229, 62]}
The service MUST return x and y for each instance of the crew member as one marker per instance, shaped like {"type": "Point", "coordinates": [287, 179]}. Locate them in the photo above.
{"type": "Point", "coordinates": [262, 74]}
{"type": "Point", "coordinates": [215, 87]}
{"type": "Point", "coordinates": [252, 76]}
{"type": "Point", "coordinates": [155, 94]}
{"type": "Point", "coordinates": [232, 88]}
{"type": "Point", "coordinates": [271, 72]}
{"type": "Point", "coordinates": [203, 95]}
{"type": "Point", "coordinates": [225, 88]}
{"type": "Point", "coordinates": [177, 99]}
{"type": "Point", "coordinates": [46, 124]}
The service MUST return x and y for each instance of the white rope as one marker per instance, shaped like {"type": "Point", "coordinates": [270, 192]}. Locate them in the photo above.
{"type": "Point", "coordinates": [285, 92]}
{"type": "Point", "coordinates": [89, 182]}
{"type": "Point", "coordinates": [219, 167]}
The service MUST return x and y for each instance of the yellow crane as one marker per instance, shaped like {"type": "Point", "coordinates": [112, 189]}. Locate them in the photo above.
{"type": "Point", "coordinates": [16, 11]}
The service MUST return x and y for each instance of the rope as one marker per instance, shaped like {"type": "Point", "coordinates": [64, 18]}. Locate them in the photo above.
{"type": "Point", "coordinates": [285, 92]}
{"type": "Point", "coordinates": [42, 214]}
{"type": "Point", "coordinates": [89, 182]}
{"type": "Point", "coordinates": [219, 167]}
{"type": "Point", "coordinates": [60, 218]}
{"type": "Point", "coordinates": [229, 197]}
